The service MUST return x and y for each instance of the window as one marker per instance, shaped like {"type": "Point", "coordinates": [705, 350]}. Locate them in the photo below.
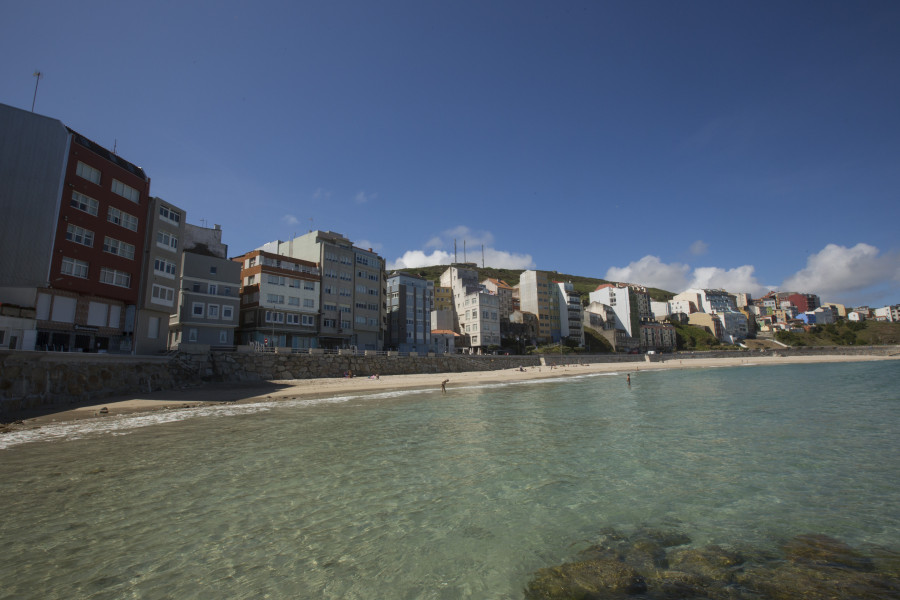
{"type": "Point", "coordinates": [87, 172]}
{"type": "Point", "coordinates": [373, 322]}
{"type": "Point", "coordinates": [309, 285]}
{"type": "Point", "coordinates": [163, 267]}
{"type": "Point", "coordinates": [345, 276]}
{"type": "Point", "coordinates": [74, 267]}
{"type": "Point", "coordinates": [329, 323]}
{"type": "Point", "coordinates": [80, 235]}
{"type": "Point", "coordinates": [274, 299]}
{"type": "Point", "coordinates": [166, 240]}
{"type": "Point", "coordinates": [212, 311]}
{"type": "Point", "coordinates": [213, 289]}
{"type": "Point", "coordinates": [360, 320]}
{"type": "Point", "coordinates": [274, 317]}
{"type": "Point", "coordinates": [114, 215]}
{"type": "Point", "coordinates": [213, 270]}
{"type": "Point", "coordinates": [227, 312]}
{"type": "Point", "coordinates": [308, 320]}
{"type": "Point", "coordinates": [293, 319]}
{"type": "Point", "coordinates": [153, 328]}
{"type": "Point", "coordinates": [309, 303]}
{"type": "Point", "coordinates": [197, 309]}
{"type": "Point", "coordinates": [192, 335]}
{"type": "Point", "coordinates": [173, 216]}
{"type": "Point", "coordinates": [223, 336]}
{"type": "Point", "coordinates": [114, 277]}
{"type": "Point", "coordinates": [126, 191]}
{"type": "Point", "coordinates": [329, 307]}
{"type": "Point", "coordinates": [162, 295]}
{"type": "Point", "coordinates": [293, 301]}
{"type": "Point", "coordinates": [118, 248]}
{"type": "Point", "coordinates": [345, 324]}
{"type": "Point", "coordinates": [84, 203]}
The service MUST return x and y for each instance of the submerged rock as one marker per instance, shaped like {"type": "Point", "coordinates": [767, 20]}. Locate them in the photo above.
{"type": "Point", "coordinates": [826, 551]}
{"type": "Point", "coordinates": [812, 567]}
{"type": "Point", "coordinates": [586, 580]}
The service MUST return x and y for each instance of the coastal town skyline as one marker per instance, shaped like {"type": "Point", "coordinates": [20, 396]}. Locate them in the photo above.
{"type": "Point", "coordinates": [742, 148]}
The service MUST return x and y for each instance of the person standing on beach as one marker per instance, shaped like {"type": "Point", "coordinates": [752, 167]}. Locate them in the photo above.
{"type": "Point", "coordinates": [628, 379]}
{"type": "Point", "coordinates": [444, 386]}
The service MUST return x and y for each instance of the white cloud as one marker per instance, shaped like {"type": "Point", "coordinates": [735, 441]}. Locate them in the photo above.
{"type": "Point", "coordinates": [738, 279]}
{"type": "Point", "coordinates": [290, 219]}
{"type": "Point", "coordinates": [362, 197]}
{"type": "Point", "coordinates": [468, 247]}
{"type": "Point", "coordinates": [375, 246]}
{"type": "Point", "coordinates": [321, 194]}
{"type": "Point", "coordinates": [837, 272]}
{"type": "Point", "coordinates": [677, 277]}
{"type": "Point", "coordinates": [699, 248]}
{"type": "Point", "coordinates": [652, 272]}
{"type": "Point", "coordinates": [413, 259]}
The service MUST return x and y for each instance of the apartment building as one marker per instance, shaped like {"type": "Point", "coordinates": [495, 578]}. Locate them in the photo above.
{"type": "Point", "coordinates": [279, 301]}
{"type": "Point", "coordinates": [571, 313]}
{"type": "Point", "coordinates": [74, 228]}
{"type": "Point", "coordinates": [409, 306]}
{"type": "Point", "coordinates": [209, 298]}
{"type": "Point", "coordinates": [477, 311]}
{"type": "Point", "coordinates": [352, 294]}
{"type": "Point", "coordinates": [443, 298]}
{"type": "Point", "coordinates": [534, 294]}
{"type": "Point", "coordinates": [804, 302]}
{"type": "Point", "coordinates": [162, 262]}
{"type": "Point", "coordinates": [630, 305]}
{"type": "Point", "coordinates": [504, 292]}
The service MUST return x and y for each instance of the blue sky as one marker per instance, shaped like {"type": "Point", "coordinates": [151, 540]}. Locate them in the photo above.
{"type": "Point", "coordinates": [722, 144]}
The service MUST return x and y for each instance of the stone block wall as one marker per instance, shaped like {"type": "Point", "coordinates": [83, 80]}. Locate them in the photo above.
{"type": "Point", "coordinates": [36, 379]}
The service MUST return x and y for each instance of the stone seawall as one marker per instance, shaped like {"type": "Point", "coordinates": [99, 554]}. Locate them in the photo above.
{"type": "Point", "coordinates": [38, 379]}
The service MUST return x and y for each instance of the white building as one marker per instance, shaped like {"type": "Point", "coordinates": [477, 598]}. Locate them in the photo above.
{"type": "Point", "coordinates": [630, 305]}
{"type": "Point", "coordinates": [571, 317]}
{"type": "Point", "coordinates": [888, 313]}
{"type": "Point", "coordinates": [477, 311]}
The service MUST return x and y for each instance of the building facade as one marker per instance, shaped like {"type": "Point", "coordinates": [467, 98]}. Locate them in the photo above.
{"type": "Point", "coordinates": [72, 237]}
{"type": "Point", "coordinates": [534, 297]}
{"type": "Point", "coordinates": [163, 249]}
{"type": "Point", "coordinates": [352, 299]}
{"type": "Point", "coordinates": [279, 301]}
{"type": "Point", "coordinates": [410, 300]}
{"type": "Point", "coordinates": [209, 298]}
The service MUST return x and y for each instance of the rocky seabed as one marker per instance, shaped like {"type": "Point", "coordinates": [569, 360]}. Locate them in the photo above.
{"type": "Point", "coordinates": [38, 379]}
{"type": "Point", "coordinates": [659, 564]}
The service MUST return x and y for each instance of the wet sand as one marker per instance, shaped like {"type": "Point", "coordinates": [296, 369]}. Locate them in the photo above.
{"type": "Point", "coordinates": [325, 387]}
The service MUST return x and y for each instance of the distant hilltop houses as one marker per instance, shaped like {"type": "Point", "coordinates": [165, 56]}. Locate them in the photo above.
{"type": "Point", "coordinates": [95, 263]}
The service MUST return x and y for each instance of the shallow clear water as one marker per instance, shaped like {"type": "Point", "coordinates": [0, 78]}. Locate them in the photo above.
{"type": "Point", "coordinates": [463, 495]}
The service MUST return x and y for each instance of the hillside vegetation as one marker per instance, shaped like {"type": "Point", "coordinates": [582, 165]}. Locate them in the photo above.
{"type": "Point", "coordinates": [582, 285]}
{"type": "Point", "coordinates": [844, 333]}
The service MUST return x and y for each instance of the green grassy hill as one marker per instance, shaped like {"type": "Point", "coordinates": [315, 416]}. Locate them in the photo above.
{"type": "Point", "coordinates": [583, 285]}
{"type": "Point", "coordinates": [844, 333]}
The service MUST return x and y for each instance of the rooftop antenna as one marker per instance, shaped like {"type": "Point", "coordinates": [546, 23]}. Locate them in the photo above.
{"type": "Point", "coordinates": [482, 256]}
{"type": "Point", "coordinates": [115, 144]}
{"type": "Point", "coordinates": [310, 224]}
{"type": "Point", "coordinates": [465, 257]}
{"type": "Point", "coordinates": [455, 258]}
{"type": "Point", "coordinates": [37, 80]}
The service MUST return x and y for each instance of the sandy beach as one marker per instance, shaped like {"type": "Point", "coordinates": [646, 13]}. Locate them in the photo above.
{"type": "Point", "coordinates": [318, 388]}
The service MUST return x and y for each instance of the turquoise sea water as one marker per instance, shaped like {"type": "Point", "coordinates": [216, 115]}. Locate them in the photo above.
{"type": "Point", "coordinates": [463, 495]}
